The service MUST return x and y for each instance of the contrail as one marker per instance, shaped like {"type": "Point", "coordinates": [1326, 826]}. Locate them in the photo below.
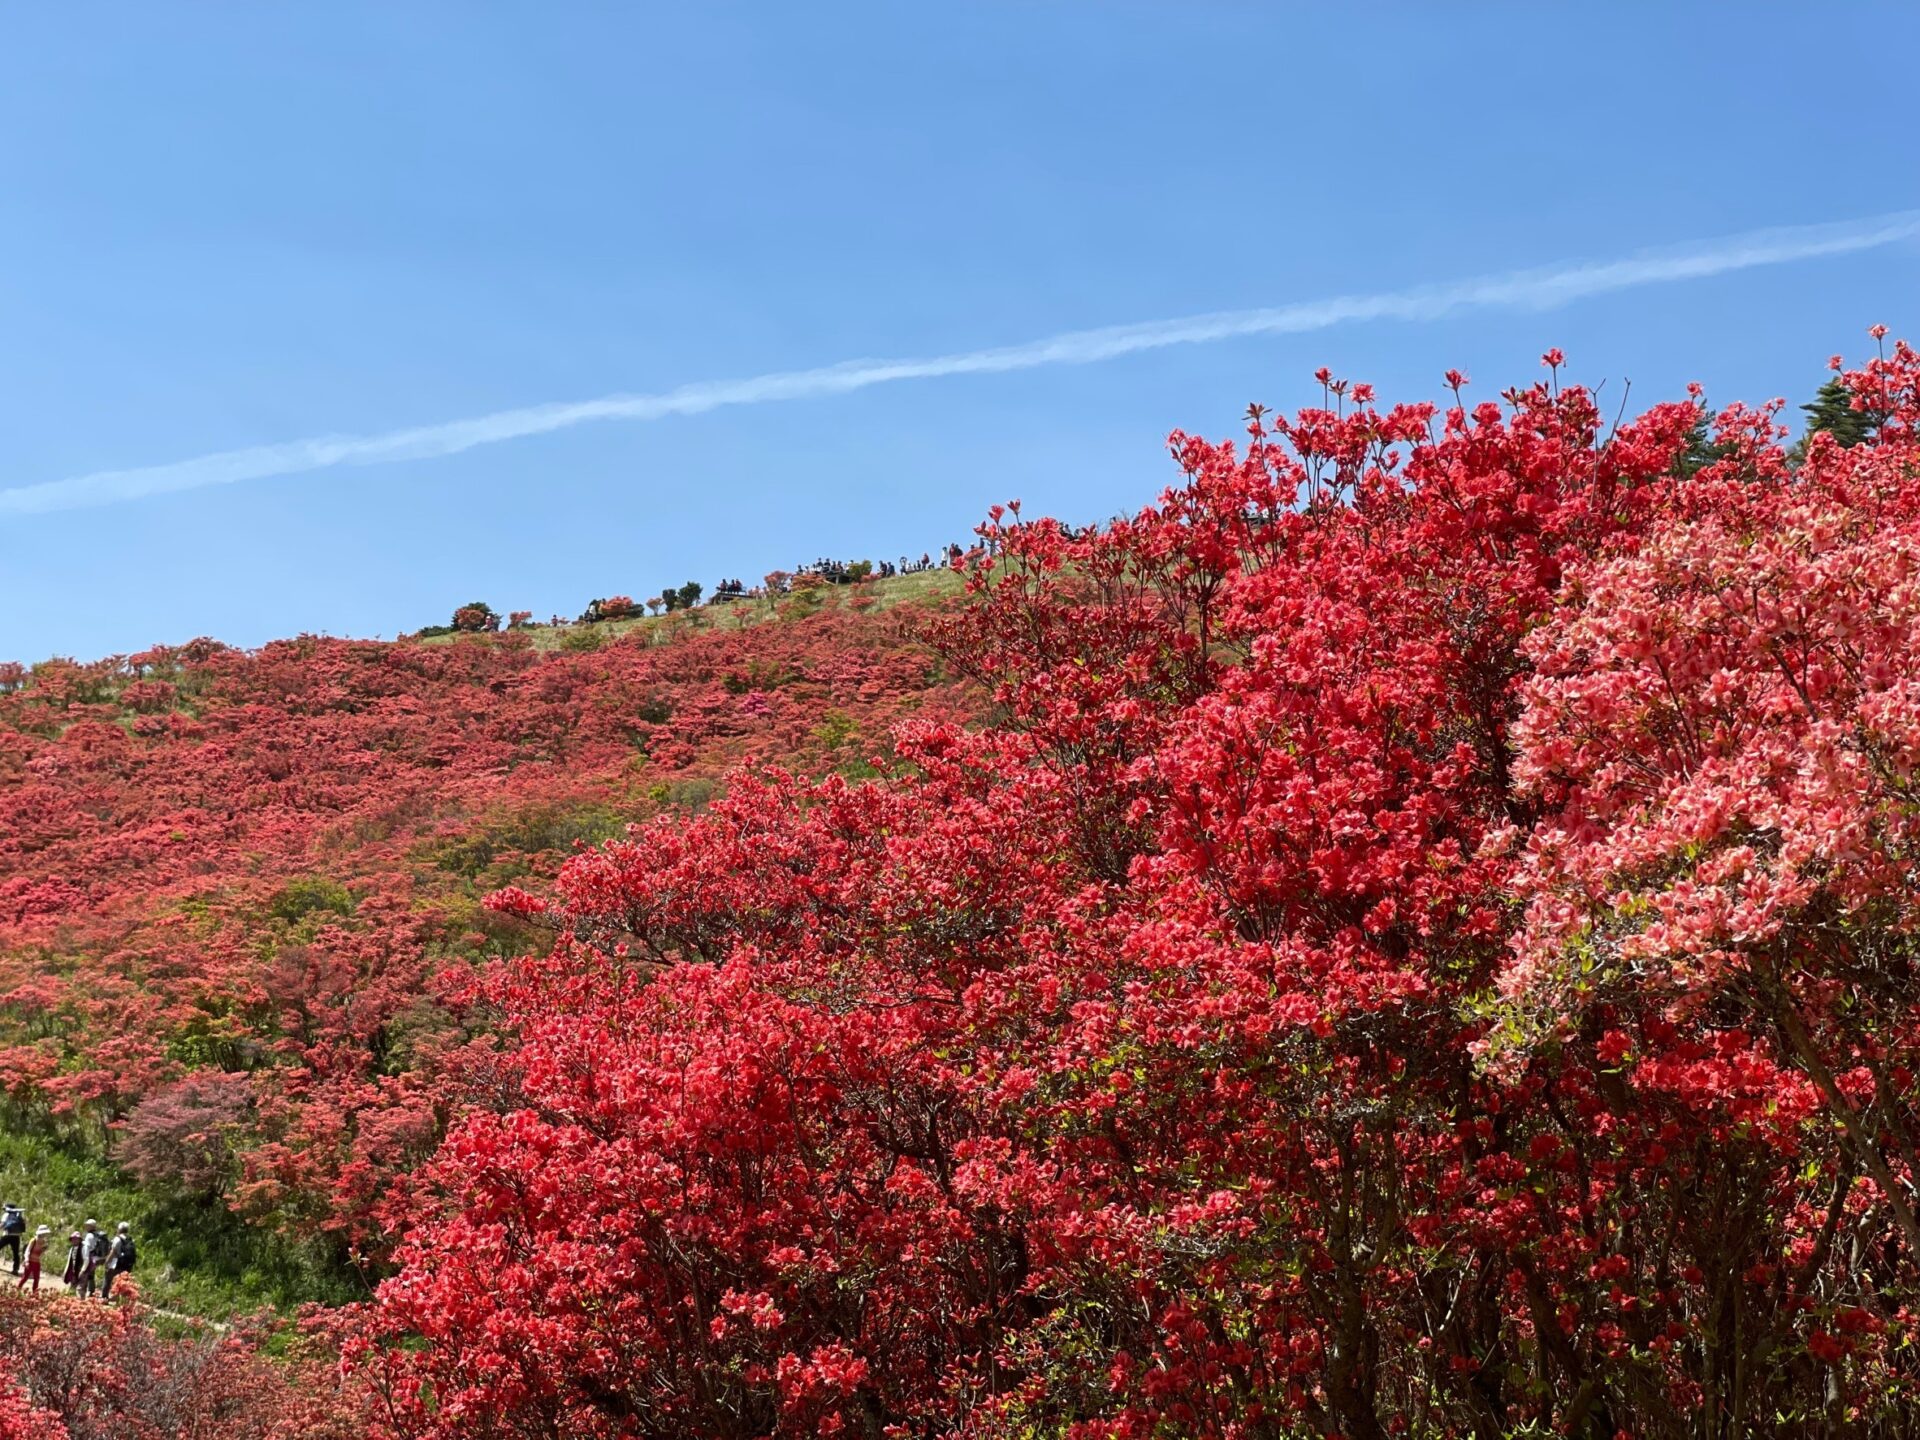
{"type": "Point", "coordinates": [1542, 288]}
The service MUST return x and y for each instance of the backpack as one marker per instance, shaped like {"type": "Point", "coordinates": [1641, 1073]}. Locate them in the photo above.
{"type": "Point", "coordinates": [13, 1222]}
{"type": "Point", "coordinates": [126, 1254]}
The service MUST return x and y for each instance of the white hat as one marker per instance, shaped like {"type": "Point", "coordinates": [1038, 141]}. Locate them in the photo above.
{"type": "Point", "coordinates": [43, 1230]}
{"type": "Point", "coordinates": [93, 1224]}
{"type": "Point", "coordinates": [123, 1227]}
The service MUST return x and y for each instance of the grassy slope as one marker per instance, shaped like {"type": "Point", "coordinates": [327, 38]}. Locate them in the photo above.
{"type": "Point", "coordinates": [194, 1258]}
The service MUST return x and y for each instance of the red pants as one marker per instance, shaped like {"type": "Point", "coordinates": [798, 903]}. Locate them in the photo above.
{"type": "Point", "coordinates": [32, 1272]}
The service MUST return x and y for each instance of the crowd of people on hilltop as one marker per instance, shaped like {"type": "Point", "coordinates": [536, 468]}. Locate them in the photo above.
{"type": "Point", "coordinates": [848, 572]}
{"type": "Point", "coordinates": [94, 1258]}
{"type": "Point", "coordinates": [834, 572]}
{"type": "Point", "coordinates": [829, 571]}
{"type": "Point", "coordinates": [843, 572]}
{"type": "Point", "coordinates": [837, 572]}
{"type": "Point", "coordinates": [478, 616]}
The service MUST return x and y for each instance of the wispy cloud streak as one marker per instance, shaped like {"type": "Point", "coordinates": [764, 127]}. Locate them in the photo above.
{"type": "Point", "coordinates": [1540, 289]}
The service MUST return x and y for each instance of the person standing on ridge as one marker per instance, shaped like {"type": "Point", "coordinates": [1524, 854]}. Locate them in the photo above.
{"type": "Point", "coordinates": [35, 1248]}
{"type": "Point", "coordinates": [13, 1225]}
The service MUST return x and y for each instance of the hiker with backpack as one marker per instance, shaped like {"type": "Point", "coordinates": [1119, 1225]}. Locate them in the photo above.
{"type": "Point", "coordinates": [93, 1250]}
{"type": "Point", "coordinates": [120, 1258]}
{"type": "Point", "coordinates": [13, 1227]}
{"type": "Point", "coordinates": [35, 1248]}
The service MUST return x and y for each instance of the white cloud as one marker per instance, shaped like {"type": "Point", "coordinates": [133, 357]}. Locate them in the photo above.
{"type": "Point", "coordinates": [1542, 288]}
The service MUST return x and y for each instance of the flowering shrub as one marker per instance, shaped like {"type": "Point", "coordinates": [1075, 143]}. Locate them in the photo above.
{"type": "Point", "coordinates": [181, 1139]}
{"type": "Point", "coordinates": [21, 1419]}
{"type": "Point", "coordinates": [80, 1371]}
{"type": "Point", "coordinates": [1171, 1056]}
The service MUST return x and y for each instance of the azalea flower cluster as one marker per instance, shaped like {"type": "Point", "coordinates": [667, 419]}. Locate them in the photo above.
{"type": "Point", "coordinates": [83, 1371]}
{"type": "Point", "coordinates": [1421, 944]}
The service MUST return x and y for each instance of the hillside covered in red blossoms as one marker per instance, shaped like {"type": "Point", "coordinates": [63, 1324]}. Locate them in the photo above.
{"type": "Point", "coordinates": [1411, 934]}
{"type": "Point", "coordinates": [240, 892]}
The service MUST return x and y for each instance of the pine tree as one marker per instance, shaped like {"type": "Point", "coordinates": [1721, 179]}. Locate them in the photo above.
{"type": "Point", "coordinates": [1702, 450]}
{"type": "Point", "coordinates": [1832, 411]}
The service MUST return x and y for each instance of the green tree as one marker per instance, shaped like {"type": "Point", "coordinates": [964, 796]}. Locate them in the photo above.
{"type": "Point", "coordinates": [1701, 451]}
{"type": "Point", "coordinates": [1833, 412]}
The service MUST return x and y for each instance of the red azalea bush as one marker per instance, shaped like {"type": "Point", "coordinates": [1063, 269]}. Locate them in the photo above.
{"type": "Point", "coordinates": [180, 1139]}
{"type": "Point", "coordinates": [87, 1371]}
{"type": "Point", "coordinates": [1422, 947]}
{"type": "Point", "coordinates": [21, 1419]}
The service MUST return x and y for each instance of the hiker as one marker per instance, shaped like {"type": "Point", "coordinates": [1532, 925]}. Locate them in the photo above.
{"type": "Point", "coordinates": [76, 1261]}
{"type": "Point", "coordinates": [93, 1249]}
{"type": "Point", "coordinates": [120, 1258]}
{"type": "Point", "coordinates": [31, 1275]}
{"type": "Point", "coordinates": [13, 1225]}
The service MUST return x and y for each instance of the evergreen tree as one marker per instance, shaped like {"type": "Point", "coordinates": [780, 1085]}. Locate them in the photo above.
{"type": "Point", "coordinates": [1831, 410]}
{"type": "Point", "coordinates": [1702, 450]}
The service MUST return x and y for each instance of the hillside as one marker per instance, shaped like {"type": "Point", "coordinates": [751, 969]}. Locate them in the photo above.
{"type": "Point", "coordinates": [1413, 933]}
{"type": "Point", "coordinates": [239, 891]}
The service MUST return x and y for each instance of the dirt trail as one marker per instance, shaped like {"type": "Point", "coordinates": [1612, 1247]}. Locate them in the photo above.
{"type": "Point", "coordinates": [52, 1284]}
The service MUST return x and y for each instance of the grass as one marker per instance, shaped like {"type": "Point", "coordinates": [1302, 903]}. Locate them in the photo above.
{"type": "Point", "coordinates": [921, 588]}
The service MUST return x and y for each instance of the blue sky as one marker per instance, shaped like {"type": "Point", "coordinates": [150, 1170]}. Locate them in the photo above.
{"type": "Point", "coordinates": [233, 226]}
